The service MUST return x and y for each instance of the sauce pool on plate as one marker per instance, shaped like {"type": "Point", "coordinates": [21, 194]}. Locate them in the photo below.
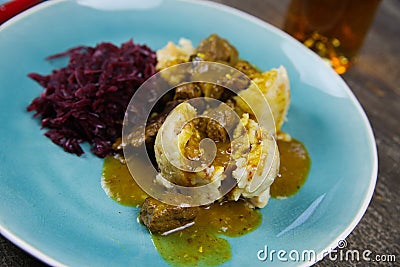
{"type": "Point", "coordinates": [119, 185]}
{"type": "Point", "coordinates": [202, 242]}
{"type": "Point", "coordinates": [294, 167]}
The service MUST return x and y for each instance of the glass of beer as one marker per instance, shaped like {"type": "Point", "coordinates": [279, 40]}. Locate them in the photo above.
{"type": "Point", "coordinates": [334, 29]}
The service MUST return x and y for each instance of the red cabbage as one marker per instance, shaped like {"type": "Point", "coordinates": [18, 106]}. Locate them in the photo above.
{"type": "Point", "coordinates": [86, 100]}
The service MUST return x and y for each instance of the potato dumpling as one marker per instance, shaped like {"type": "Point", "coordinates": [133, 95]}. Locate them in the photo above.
{"type": "Point", "coordinates": [252, 152]}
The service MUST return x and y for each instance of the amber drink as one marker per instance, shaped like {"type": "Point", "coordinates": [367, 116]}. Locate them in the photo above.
{"type": "Point", "coordinates": [334, 29]}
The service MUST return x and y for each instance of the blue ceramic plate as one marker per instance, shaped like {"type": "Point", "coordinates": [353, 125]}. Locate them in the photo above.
{"type": "Point", "coordinates": [51, 202]}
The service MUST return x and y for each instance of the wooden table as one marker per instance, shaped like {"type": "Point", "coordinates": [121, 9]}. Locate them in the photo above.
{"type": "Point", "coordinates": [374, 80]}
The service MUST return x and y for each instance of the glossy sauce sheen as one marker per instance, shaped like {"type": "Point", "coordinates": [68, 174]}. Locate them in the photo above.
{"type": "Point", "coordinates": [203, 242]}
{"type": "Point", "coordinates": [294, 167]}
{"type": "Point", "coordinates": [119, 185]}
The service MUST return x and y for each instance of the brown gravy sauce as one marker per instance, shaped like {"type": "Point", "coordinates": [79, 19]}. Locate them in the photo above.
{"type": "Point", "coordinates": [202, 243]}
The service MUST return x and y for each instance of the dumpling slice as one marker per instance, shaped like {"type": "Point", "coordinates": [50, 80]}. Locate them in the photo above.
{"type": "Point", "coordinates": [274, 85]}
{"type": "Point", "coordinates": [256, 171]}
{"type": "Point", "coordinates": [173, 54]}
{"type": "Point", "coordinates": [251, 154]}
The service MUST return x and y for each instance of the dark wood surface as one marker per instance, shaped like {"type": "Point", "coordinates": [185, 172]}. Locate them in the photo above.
{"type": "Point", "coordinates": [374, 80]}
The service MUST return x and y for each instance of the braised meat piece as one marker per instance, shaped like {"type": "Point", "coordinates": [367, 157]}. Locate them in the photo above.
{"type": "Point", "coordinates": [156, 120]}
{"type": "Point", "coordinates": [159, 217]}
{"type": "Point", "coordinates": [211, 128]}
{"type": "Point", "coordinates": [248, 69]}
{"type": "Point", "coordinates": [216, 132]}
{"type": "Point", "coordinates": [223, 122]}
{"type": "Point", "coordinates": [212, 90]}
{"type": "Point", "coordinates": [202, 89]}
{"type": "Point", "coordinates": [216, 49]}
{"type": "Point", "coordinates": [187, 91]}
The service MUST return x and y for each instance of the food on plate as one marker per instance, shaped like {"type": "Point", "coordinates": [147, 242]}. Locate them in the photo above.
{"type": "Point", "coordinates": [203, 243]}
{"type": "Point", "coordinates": [86, 100]}
{"type": "Point", "coordinates": [273, 84]}
{"type": "Point", "coordinates": [249, 139]}
{"type": "Point", "coordinates": [174, 54]}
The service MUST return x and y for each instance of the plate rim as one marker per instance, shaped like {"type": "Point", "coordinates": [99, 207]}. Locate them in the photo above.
{"type": "Point", "coordinates": [18, 241]}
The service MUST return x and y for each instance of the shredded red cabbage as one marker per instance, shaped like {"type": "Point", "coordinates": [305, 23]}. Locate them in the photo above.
{"type": "Point", "coordinates": [87, 99]}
